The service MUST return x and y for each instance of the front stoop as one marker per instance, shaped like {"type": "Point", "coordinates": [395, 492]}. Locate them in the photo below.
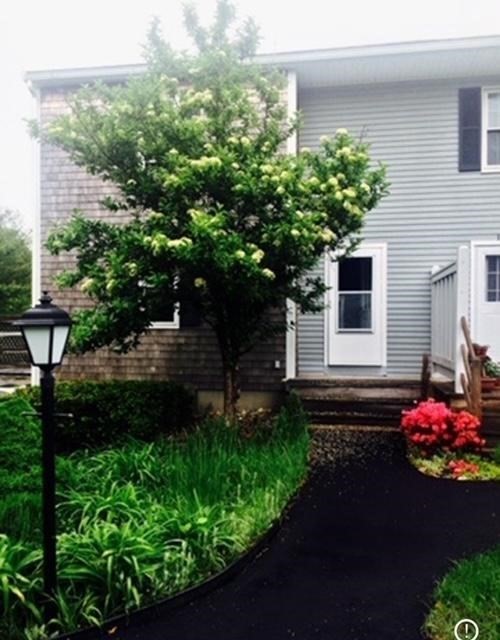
{"type": "Point", "coordinates": [356, 401]}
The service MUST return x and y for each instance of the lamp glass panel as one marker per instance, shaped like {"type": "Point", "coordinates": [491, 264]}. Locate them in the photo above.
{"type": "Point", "coordinates": [60, 339]}
{"type": "Point", "coordinates": [38, 342]}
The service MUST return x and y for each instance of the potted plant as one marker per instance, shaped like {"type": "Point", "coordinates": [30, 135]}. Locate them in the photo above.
{"type": "Point", "coordinates": [488, 381]}
{"type": "Point", "coordinates": [492, 370]}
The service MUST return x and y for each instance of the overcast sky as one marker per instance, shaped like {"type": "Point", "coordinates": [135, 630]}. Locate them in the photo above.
{"type": "Point", "coordinates": [60, 34]}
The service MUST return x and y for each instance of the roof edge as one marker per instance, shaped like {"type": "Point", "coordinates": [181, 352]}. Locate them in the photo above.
{"type": "Point", "coordinates": [64, 77]}
{"type": "Point", "coordinates": [79, 75]}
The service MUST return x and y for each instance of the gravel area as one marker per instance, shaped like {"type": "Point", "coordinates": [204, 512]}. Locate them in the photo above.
{"type": "Point", "coordinates": [347, 445]}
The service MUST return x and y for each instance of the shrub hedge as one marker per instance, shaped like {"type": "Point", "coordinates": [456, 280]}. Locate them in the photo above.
{"type": "Point", "coordinates": [142, 521]}
{"type": "Point", "coordinates": [104, 413]}
{"type": "Point", "coordinates": [20, 472]}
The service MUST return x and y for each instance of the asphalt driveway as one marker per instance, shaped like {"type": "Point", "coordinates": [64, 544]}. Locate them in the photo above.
{"type": "Point", "coordinates": [356, 559]}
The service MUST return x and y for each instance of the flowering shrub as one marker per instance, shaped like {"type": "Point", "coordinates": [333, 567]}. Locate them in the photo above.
{"type": "Point", "coordinates": [432, 425]}
{"type": "Point", "coordinates": [220, 217]}
{"type": "Point", "coordinates": [461, 468]}
{"type": "Point", "coordinates": [465, 428]}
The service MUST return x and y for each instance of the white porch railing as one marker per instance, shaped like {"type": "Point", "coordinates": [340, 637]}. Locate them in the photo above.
{"type": "Point", "coordinates": [449, 302]}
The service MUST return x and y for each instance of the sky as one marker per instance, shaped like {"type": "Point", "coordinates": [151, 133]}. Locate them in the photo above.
{"type": "Point", "coordinates": [50, 34]}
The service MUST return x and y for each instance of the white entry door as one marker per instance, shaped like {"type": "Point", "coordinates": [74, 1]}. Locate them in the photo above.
{"type": "Point", "coordinates": [486, 296]}
{"type": "Point", "coordinates": [356, 308]}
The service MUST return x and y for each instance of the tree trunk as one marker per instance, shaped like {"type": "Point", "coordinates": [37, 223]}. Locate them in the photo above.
{"type": "Point", "coordinates": [231, 372]}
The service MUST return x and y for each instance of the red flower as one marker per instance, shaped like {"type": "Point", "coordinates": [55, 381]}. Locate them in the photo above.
{"type": "Point", "coordinates": [462, 467]}
{"type": "Point", "coordinates": [432, 425]}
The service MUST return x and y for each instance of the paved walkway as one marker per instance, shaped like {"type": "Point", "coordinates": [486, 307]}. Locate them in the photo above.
{"type": "Point", "coordinates": [356, 559]}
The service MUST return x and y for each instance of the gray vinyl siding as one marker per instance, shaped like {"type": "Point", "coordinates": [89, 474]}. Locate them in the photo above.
{"type": "Point", "coordinates": [431, 210]}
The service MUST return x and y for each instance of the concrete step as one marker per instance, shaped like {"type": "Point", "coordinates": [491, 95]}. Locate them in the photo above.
{"type": "Point", "coordinates": [361, 401]}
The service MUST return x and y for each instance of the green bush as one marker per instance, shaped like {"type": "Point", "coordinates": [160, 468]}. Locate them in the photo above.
{"type": "Point", "coordinates": [146, 520]}
{"type": "Point", "coordinates": [104, 413]}
{"type": "Point", "coordinates": [20, 471]}
{"type": "Point", "coordinates": [496, 454]}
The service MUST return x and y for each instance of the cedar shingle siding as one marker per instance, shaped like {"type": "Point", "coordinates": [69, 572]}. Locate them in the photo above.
{"type": "Point", "coordinates": [187, 355]}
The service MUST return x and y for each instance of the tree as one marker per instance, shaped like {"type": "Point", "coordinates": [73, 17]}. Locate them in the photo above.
{"type": "Point", "coordinates": [15, 265]}
{"type": "Point", "coordinates": [214, 211]}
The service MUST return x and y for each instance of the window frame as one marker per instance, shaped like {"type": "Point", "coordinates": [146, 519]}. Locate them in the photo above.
{"type": "Point", "coordinates": [485, 167]}
{"type": "Point", "coordinates": [340, 329]}
{"type": "Point", "coordinates": [339, 293]}
{"type": "Point", "coordinates": [175, 323]}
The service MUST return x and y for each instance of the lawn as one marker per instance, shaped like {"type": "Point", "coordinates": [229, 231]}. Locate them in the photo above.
{"type": "Point", "coordinates": [140, 521]}
{"type": "Point", "coordinates": [471, 590]}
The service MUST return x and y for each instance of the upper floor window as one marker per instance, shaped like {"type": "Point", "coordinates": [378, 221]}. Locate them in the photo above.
{"type": "Point", "coordinates": [491, 130]}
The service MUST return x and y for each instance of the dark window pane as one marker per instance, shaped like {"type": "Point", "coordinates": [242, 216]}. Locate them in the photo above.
{"type": "Point", "coordinates": [493, 147]}
{"type": "Point", "coordinates": [355, 274]}
{"type": "Point", "coordinates": [493, 278]}
{"type": "Point", "coordinates": [355, 311]}
{"type": "Point", "coordinates": [493, 265]}
{"type": "Point", "coordinates": [163, 311]}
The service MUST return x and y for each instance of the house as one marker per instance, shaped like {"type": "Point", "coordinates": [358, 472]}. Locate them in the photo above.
{"type": "Point", "coordinates": [431, 250]}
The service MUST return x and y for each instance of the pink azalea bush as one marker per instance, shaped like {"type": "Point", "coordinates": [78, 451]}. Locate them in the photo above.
{"type": "Point", "coordinates": [432, 426]}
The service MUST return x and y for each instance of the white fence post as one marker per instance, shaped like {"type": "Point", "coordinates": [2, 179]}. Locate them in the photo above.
{"type": "Point", "coordinates": [462, 308]}
{"type": "Point", "coordinates": [443, 315]}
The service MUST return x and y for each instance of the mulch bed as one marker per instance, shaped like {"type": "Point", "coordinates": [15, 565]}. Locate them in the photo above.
{"type": "Point", "coordinates": [356, 559]}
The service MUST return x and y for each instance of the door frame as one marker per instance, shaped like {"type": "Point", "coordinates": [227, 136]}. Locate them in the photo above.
{"type": "Point", "coordinates": [474, 278]}
{"type": "Point", "coordinates": [380, 247]}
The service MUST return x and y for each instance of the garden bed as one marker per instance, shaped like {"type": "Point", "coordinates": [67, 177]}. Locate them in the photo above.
{"type": "Point", "coordinates": [465, 466]}
{"type": "Point", "coordinates": [142, 521]}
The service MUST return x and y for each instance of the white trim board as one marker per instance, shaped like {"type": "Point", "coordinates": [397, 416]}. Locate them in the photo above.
{"type": "Point", "coordinates": [474, 245]}
{"type": "Point", "coordinates": [36, 255]}
{"type": "Point", "coordinates": [485, 167]}
{"type": "Point", "coordinates": [291, 307]}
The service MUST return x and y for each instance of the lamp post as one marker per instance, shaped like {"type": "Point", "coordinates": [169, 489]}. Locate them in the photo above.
{"type": "Point", "coordinates": [45, 330]}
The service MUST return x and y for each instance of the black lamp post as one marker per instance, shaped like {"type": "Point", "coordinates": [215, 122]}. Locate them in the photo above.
{"type": "Point", "coordinates": [45, 330]}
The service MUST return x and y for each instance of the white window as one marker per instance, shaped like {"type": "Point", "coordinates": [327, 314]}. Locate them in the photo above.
{"type": "Point", "coordinates": [491, 129]}
{"type": "Point", "coordinates": [493, 278]}
{"type": "Point", "coordinates": [167, 318]}
{"type": "Point", "coordinates": [167, 315]}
